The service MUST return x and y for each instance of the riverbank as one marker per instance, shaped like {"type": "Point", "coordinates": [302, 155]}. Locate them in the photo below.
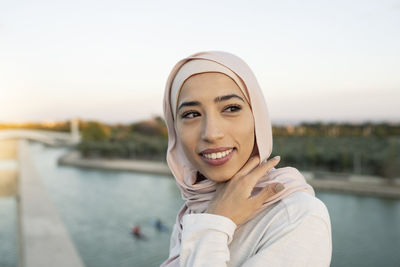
{"type": "Point", "coordinates": [73, 158]}
{"type": "Point", "coordinates": [358, 184]}
{"type": "Point", "coordinates": [354, 184]}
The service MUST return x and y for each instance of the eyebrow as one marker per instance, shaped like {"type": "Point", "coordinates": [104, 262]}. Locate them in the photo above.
{"type": "Point", "coordinates": [189, 104]}
{"type": "Point", "coordinates": [216, 100]}
{"type": "Point", "coordinates": [226, 97]}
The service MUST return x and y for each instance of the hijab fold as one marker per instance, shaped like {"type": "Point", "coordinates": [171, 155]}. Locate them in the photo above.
{"type": "Point", "coordinates": [198, 195]}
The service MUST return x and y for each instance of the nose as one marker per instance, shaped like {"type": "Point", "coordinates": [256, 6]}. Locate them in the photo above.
{"type": "Point", "coordinates": [211, 130]}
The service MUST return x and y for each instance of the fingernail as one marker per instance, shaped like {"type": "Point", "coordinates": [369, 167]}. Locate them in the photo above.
{"type": "Point", "coordinates": [279, 187]}
{"type": "Point", "coordinates": [277, 157]}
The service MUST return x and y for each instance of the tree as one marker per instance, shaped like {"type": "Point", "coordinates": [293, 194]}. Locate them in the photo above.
{"type": "Point", "coordinates": [95, 131]}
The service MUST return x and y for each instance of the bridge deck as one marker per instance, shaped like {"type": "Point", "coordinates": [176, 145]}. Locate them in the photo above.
{"type": "Point", "coordinates": [46, 137]}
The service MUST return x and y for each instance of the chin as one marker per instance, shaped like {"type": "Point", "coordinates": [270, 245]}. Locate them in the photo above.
{"type": "Point", "coordinates": [218, 177]}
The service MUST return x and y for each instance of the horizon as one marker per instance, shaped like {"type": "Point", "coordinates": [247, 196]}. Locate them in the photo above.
{"type": "Point", "coordinates": [273, 123]}
{"type": "Point", "coordinates": [109, 60]}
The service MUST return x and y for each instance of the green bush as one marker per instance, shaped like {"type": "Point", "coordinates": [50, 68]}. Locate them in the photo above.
{"type": "Point", "coordinates": [139, 147]}
{"type": "Point", "coordinates": [375, 155]}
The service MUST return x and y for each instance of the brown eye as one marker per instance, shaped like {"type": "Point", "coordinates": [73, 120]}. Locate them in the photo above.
{"type": "Point", "coordinates": [233, 108]}
{"type": "Point", "coordinates": [190, 114]}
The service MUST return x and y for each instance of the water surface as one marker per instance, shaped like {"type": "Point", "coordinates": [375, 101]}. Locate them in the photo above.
{"type": "Point", "coordinates": [99, 209]}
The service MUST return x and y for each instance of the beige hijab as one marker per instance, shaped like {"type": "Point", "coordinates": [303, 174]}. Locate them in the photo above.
{"type": "Point", "coordinates": [198, 195]}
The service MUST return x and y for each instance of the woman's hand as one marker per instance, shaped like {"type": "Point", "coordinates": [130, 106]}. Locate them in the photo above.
{"type": "Point", "coordinates": [233, 199]}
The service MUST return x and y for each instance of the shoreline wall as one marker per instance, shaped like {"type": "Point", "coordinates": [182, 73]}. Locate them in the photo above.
{"type": "Point", "coordinates": [353, 184]}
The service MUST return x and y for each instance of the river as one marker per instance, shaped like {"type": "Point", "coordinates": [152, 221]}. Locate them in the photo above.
{"type": "Point", "coordinates": [99, 209]}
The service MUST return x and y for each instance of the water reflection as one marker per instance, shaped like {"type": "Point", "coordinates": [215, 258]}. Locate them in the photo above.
{"type": "Point", "coordinates": [8, 230]}
{"type": "Point", "coordinates": [366, 230]}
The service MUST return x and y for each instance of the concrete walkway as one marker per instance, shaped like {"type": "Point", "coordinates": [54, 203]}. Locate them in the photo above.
{"type": "Point", "coordinates": [44, 241]}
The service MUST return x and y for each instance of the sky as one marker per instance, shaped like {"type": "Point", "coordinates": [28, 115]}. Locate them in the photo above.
{"type": "Point", "coordinates": [109, 60]}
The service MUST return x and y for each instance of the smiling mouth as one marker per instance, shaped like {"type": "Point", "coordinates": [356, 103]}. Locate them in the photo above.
{"type": "Point", "coordinates": [217, 158]}
{"type": "Point", "coordinates": [217, 155]}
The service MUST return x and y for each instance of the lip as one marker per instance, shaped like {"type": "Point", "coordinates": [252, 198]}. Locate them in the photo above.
{"type": "Point", "coordinates": [217, 162]}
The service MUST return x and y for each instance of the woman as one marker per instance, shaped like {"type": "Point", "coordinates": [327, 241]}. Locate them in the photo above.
{"type": "Point", "coordinates": [239, 210]}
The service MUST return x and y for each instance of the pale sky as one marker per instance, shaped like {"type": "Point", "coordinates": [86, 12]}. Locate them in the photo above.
{"type": "Point", "coordinates": [109, 60]}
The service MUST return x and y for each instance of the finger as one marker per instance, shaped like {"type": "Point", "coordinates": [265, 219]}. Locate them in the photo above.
{"type": "Point", "coordinates": [261, 170]}
{"type": "Point", "coordinates": [268, 192]}
{"type": "Point", "coordinates": [248, 166]}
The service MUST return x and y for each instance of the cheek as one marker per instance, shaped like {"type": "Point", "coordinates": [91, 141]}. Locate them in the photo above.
{"type": "Point", "coordinates": [246, 133]}
{"type": "Point", "coordinates": [187, 137]}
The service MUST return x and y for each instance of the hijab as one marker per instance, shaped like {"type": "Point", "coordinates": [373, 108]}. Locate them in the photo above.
{"type": "Point", "coordinates": [198, 194]}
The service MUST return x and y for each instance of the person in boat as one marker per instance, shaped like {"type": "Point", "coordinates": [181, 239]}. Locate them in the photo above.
{"type": "Point", "coordinates": [239, 210]}
{"type": "Point", "coordinates": [160, 226]}
{"type": "Point", "coordinates": [137, 232]}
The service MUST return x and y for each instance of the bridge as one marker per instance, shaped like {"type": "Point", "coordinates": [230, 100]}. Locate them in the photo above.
{"type": "Point", "coordinates": [47, 137]}
{"type": "Point", "coordinates": [42, 237]}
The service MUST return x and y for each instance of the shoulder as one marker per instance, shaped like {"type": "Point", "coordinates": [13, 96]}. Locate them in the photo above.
{"type": "Point", "coordinates": [299, 218]}
{"type": "Point", "coordinates": [301, 204]}
{"type": "Point", "coordinates": [297, 225]}
{"type": "Point", "coordinates": [296, 212]}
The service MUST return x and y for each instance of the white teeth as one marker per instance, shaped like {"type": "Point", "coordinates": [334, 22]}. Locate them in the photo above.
{"type": "Point", "coordinates": [218, 155]}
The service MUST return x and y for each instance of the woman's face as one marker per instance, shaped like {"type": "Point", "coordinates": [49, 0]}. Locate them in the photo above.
{"type": "Point", "coordinates": [215, 125]}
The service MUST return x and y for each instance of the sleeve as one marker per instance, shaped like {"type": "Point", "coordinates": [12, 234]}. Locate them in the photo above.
{"type": "Point", "coordinates": [206, 237]}
{"type": "Point", "coordinates": [307, 244]}
{"type": "Point", "coordinates": [205, 240]}
{"type": "Point", "coordinates": [173, 243]}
